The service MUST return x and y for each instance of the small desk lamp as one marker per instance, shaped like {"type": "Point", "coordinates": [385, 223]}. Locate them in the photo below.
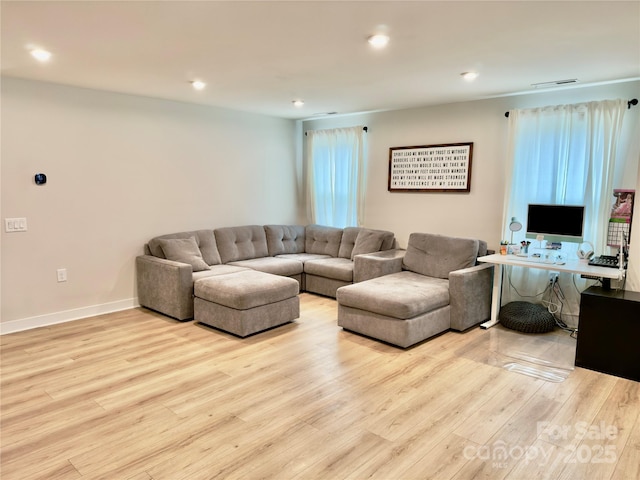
{"type": "Point", "coordinates": [514, 226]}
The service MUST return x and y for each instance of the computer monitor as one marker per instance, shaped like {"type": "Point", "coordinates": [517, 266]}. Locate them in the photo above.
{"type": "Point", "coordinates": [558, 223]}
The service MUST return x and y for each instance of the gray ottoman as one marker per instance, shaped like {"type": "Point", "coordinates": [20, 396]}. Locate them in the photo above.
{"type": "Point", "coordinates": [246, 302]}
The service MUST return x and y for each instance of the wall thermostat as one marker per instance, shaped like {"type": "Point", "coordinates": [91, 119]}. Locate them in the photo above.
{"type": "Point", "coordinates": [40, 178]}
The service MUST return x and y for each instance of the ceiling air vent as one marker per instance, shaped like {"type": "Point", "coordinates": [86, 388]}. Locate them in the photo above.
{"type": "Point", "coordinates": [555, 83]}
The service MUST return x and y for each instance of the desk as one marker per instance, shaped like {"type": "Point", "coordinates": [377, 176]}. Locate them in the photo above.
{"type": "Point", "coordinates": [571, 266]}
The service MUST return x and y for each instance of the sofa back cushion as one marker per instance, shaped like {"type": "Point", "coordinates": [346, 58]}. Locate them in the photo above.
{"type": "Point", "coordinates": [349, 236]}
{"type": "Point", "coordinates": [284, 239]}
{"type": "Point", "coordinates": [364, 240]}
{"type": "Point", "coordinates": [204, 239]}
{"type": "Point", "coordinates": [437, 255]}
{"type": "Point", "coordinates": [241, 243]}
{"type": "Point", "coordinates": [322, 240]}
{"type": "Point", "coordinates": [482, 248]}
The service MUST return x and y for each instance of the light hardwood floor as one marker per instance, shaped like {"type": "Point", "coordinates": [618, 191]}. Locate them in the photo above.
{"type": "Point", "coordinates": [134, 395]}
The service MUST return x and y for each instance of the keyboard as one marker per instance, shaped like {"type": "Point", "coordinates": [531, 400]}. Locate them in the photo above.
{"type": "Point", "coordinates": [604, 261]}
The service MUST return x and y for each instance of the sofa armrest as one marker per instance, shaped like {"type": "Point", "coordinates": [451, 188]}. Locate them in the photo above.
{"type": "Point", "coordinates": [165, 286]}
{"type": "Point", "coordinates": [470, 295]}
{"type": "Point", "coordinates": [372, 265]}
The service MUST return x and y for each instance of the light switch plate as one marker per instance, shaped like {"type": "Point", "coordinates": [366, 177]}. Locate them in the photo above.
{"type": "Point", "coordinates": [15, 224]}
{"type": "Point", "coordinates": [62, 274]}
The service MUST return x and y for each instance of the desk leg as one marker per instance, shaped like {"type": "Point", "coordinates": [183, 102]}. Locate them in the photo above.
{"type": "Point", "coordinates": [496, 297]}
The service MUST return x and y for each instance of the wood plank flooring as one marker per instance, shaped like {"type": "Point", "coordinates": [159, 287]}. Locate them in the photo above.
{"type": "Point", "coordinates": [137, 396]}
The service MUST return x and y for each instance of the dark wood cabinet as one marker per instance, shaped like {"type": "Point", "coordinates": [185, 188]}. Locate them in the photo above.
{"type": "Point", "coordinates": [609, 332]}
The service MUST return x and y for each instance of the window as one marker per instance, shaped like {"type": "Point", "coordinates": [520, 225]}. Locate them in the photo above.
{"type": "Point", "coordinates": [335, 176]}
{"type": "Point", "coordinates": [562, 155]}
{"type": "Point", "coordinates": [565, 155]}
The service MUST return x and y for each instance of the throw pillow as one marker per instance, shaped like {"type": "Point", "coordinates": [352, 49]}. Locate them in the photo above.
{"type": "Point", "coordinates": [367, 241]}
{"type": "Point", "coordinates": [184, 250]}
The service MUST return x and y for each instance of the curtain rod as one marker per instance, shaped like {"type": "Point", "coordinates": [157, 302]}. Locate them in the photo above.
{"type": "Point", "coordinates": [630, 103]}
{"type": "Point", "coordinates": [363, 128]}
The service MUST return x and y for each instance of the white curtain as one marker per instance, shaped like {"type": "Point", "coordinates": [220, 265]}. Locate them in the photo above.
{"type": "Point", "coordinates": [336, 176]}
{"type": "Point", "coordinates": [563, 154]}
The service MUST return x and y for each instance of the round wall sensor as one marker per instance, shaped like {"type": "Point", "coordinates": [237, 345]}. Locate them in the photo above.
{"type": "Point", "coordinates": [40, 179]}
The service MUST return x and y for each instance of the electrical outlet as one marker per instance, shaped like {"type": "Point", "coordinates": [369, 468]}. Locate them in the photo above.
{"type": "Point", "coordinates": [62, 274]}
{"type": "Point", "coordinates": [553, 278]}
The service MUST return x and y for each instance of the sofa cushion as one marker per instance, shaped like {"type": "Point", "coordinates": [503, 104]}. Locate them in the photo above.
{"type": "Point", "coordinates": [322, 240]}
{"type": "Point", "coordinates": [217, 270]}
{"type": "Point", "coordinates": [482, 248]}
{"type": "Point", "coordinates": [283, 239]}
{"type": "Point", "coordinates": [244, 290]}
{"type": "Point", "coordinates": [184, 250]}
{"type": "Point", "coordinates": [368, 241]}
{"type": "Point", "coordinates": [204, 238]}
{"type": "Point", "coordinates": [438, 255]}
{"type": "Point", "coordinates": [401, 295]}
{"type": "Point", "coordinates": [277, 266]}
{"type": "Point", "coordinates": [241, 243]}
{"type": "Point", "coordinates": [350, 237]}
{"type": "Point", "coordinates": [335, 268]}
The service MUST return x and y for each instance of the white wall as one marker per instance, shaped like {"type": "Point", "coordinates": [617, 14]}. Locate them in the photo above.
{"type": "Point", "coordinates": [478, 213]}
{"type": "Point", "coordinates": [122, 169]}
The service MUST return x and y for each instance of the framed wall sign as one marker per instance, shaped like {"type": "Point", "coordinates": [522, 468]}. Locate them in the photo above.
{"type": "Point", "coordinates": [431, 168]}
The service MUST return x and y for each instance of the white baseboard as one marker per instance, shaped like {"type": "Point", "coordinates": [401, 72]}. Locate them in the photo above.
{"type": "Point", "coordinates": [66, 316]}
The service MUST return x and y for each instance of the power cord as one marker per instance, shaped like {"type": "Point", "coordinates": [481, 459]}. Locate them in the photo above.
{"type": "Point", "coordinates": [553, 308]}
{"type": "Point", "coordinates": [524, 296]}
{"type": "Point", "coordinates": [556, 308]}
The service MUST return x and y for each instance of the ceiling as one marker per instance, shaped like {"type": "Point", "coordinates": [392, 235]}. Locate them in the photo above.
{"type": "Point", "coordinates": [258, 56]}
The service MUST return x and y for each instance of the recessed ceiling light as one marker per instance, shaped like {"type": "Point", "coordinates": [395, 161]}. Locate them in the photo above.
{"type": "Point", "coordinates": [198, 84]}
{"type": "Point", "coordinates": [379, 40]}
{"type": "Point", "coordinates": [40, 54]}
{"type": "Point", "coordinates": [298, 103]}
{"type": "Point", "coordinates": [469, 76]}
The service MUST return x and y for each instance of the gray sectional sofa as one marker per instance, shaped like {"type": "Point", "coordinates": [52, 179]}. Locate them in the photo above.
{"type": "Point", "coordinates": [321, 259]}
{"type": "Point", "coordinates": [246, 279]}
